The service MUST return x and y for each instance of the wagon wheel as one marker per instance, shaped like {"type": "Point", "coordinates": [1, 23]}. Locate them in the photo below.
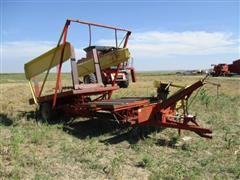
{"type": "Point", "coordinates": [124, 84]}
{"type": "Point", "coordinates": [90, 79]}
{"type": "Point", "coordinates": [46, 112]}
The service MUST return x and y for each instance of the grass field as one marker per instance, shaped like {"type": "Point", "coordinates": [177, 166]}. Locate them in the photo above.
{"type": "Point", "coordinates": [98, 149]}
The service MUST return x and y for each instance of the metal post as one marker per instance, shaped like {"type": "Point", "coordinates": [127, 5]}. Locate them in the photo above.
{"type": "Point", "coordinates": [50, 64]}
{"type": "Point", "coordinates": [36, 86]}
{"type": "Point", "coordinates": [97, 66]}
{"type": "Point", "coordinates": [59, 69]}
{"type": "Point", "coordinates": [74, 70]}
{"type": "Point", "coordinates": [116, 40]}
{"type": "Point", "coordinates": [33, 94]}
{"type": "Point", "coordinates": [90, 34]}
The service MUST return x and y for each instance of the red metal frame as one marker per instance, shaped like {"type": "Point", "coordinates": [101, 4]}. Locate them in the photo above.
{"type": "Point", "coordinates": [145, 111]}
{"type": "Point", "coordinates": [63, 39]}
{"type": "Point", "coordinates": [60, 67]}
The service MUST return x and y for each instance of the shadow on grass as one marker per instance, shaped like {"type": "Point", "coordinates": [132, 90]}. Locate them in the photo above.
{"type": "Point", "coordinates": [135, 134]}
{"type": "Point", "coordinates": [4, 120]}
{"type": "Point", "coordinates": [90, 127]}
{"type": "Point", "coordinates": [29, 115]}
{"type": "Point", "coordinates": [127, 136]}
{"type": "Point", "coordinates": [95, 127]}
{"type": "Point", "coordinates": [34, 115]}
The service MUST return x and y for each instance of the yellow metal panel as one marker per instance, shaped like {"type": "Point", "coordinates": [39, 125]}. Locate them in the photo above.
{"type": "Point", "coordinates": [33, 94]}
{"type": "Point", "coordinates": [112, 58]}
{"type": "Point", "coordinates": [42, 63]}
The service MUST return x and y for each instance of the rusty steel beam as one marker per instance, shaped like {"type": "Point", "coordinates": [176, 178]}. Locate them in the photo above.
{"type": "Point", "coordinates": [97, 25]}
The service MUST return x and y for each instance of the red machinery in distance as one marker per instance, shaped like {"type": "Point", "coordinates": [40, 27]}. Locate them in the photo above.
{"type": "Point", "coordinates": [226, 69]}
{"type": "Point", "coordinates": [220, 70]}
{"type": "Point", "coordinates": [235, 67]}
{"type": "Point", "coordinates": [108, 74]}
{"type": "Point", "coordinates": [87, 100]}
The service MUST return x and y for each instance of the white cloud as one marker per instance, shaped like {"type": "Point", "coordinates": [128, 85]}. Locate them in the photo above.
{"type": "Point", "coordinates": [16, 50]}
{"type": "Point", "coordinates": [160, 47]}
{"type": "Point", "coordinates": [154, 44]}
{"type": "Point", "coordinates": [16, 53]}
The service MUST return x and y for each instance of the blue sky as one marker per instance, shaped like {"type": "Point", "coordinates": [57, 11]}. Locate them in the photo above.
{"type": "Point", "coordinates": [165, 35]}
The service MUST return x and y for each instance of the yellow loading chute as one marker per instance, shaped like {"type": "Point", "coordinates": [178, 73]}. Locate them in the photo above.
{"type": "Point", "coordinates": [107, 60]}
{"type": "Point", "coordinates": [47, 61]}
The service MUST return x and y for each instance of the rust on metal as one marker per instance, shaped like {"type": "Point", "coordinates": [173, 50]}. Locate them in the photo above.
{"type": "Point", "coordinates": [85, 100]}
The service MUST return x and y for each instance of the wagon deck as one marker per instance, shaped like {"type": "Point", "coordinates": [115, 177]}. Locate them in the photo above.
{"type": "Point", "coordinates": [87, 100]}
{"type": "Point", "coordinates": [88, 90]}
{"type": "Point", "coordinates": [118, 104]}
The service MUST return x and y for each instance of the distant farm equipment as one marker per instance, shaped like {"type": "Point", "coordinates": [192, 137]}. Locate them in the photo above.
{"type": "Point", "coordinates": [108, 67]}
{"type": "Point", "coordinates": [193, 72]}
{"type": "Point", "coordinates": [105, 69]}
{"type": "Point", "coordinates": [226, 69]}
{"type": "Point", "coordinates": [235, 67]}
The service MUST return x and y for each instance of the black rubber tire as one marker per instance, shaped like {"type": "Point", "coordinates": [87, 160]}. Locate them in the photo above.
{"type": "Point", "coordinates": [124, 84]}
{"type": "Point", "coordinates": [90, 79]}
{"type": "Point", "coordinates": [46, 112]}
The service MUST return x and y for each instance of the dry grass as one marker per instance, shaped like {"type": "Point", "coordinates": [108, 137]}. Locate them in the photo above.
{"type": "Point", "coordinates": [97, 149]}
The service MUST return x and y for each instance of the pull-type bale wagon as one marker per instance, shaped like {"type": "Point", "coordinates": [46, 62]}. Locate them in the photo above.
{"type": "Point", "coordinates": [86, 100]}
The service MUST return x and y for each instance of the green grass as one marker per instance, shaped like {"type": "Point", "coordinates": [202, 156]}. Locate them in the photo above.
{"type": "Point", "coordinates": [20, 77]}
{"type": "Point", "coordinates": [84, 149]}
